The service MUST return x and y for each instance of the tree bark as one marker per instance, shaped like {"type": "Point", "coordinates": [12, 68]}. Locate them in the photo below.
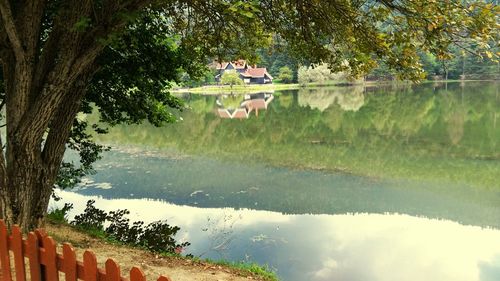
{"type": "Point", "coordinates": [30, 175]}
{"type": "Point", "coordinates": [46, 72]}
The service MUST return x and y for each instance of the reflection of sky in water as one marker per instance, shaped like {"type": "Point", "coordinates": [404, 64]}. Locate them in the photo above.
{"type": "Point", "coordinates": [327, 247]}
{"type": "Point", "coordinates": [191, 181]}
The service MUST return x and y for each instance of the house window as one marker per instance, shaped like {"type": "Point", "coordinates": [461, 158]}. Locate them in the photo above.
{"type": "Point", "coordinates": [246, 80]}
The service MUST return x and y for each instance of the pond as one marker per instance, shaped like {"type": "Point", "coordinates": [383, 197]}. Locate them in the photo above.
{"type": "Point", "coordinates": [400, 182]}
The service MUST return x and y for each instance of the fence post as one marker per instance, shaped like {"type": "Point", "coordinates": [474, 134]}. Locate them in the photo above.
{"type": "Point", "coordinates": [45, 264]}
{"type": "Point", "coordinates": [89, 266]}
{"type": "Point", "coordinates": [51, 257]}
{"type": "Point", "coordinates": [4, 252]}
{"type": "Point", "coordinates": [136, 274]}
{"type": "Point", "coordinates": [164, 278]}
{"type": "Point", "coordinates": [34, 258]}
{"type": "Point", "coordinates": [17, 248]}
{"type": "Point", "coordinates": [112, 271]}
{"type": "Point", "coordinates": [69, 264]}
{"type": "Point", "coordinates": [40, 234]}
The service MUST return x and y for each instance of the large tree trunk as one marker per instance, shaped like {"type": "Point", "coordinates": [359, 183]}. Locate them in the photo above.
{"type": "Point", "coordinates": [46, 70]}
{"type": "Point", "coordinates": [29, 170]}
{"type": "Point", "coordinates": [27, 193]}
{"type": "Point", "coordinates": [33, 163]}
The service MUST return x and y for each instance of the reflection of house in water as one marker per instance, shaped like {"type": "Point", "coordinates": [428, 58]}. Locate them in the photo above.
{"type": "Point", "coordinates": [252, 102]}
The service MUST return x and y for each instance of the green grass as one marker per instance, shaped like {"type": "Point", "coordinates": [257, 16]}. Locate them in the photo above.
{"type": "Point", "coordinates": [59, 216]}
{"type": "Point", "coordinates": [263, 271]}
{"type": "Point", "coordinates": [277, 86]}
{"type": "Point", "coordinates": [214, 89]}
{"type": "Point", "coordinates": [238, 88]}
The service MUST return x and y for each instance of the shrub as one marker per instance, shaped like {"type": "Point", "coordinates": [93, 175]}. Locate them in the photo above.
{"type": "Point", "coordinates": [92, 218]}
{"type": "Point", "coordinates": [318, 74]}
{"type": "Point", "coordinates": [157, 236]}
{"type": "Point", "coordinates": [231, 77]}
{"type": "Point", "coordinates": [285, 74]}
{"type": "Point", "coordinates": [60, 215]}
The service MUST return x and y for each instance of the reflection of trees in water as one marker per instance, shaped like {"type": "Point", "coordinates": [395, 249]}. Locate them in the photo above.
{"type": "Point", "coordinates": [379, 133]}
{"type": "Point", "coordinates": [285, 101]}
{"type": "Point", "coordinates": [349, 98]}
{"type": "Point", "coordinates": [353, 100]}
{"type": "Point", "coordinates": [456, 127]}
{"type": "Point", "coordinates": [230, 101]}
{"type": "Point", "coordinates": [200, 106]}
{"type": "Point", "coordinates": [455, 116]}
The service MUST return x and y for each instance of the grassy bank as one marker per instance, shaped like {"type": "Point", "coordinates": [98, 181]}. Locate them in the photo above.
{"type": "Point", "coordinates": [225, 89]}
{"type": "Point", "coordinates": [238, 88]}
{"type": "Point", "coordinates": [218, 89]}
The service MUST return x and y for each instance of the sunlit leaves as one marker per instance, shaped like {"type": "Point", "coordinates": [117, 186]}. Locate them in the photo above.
{"type": "Point", "coordinates": [351, 36]}
{"type": "Point", "coordinates": [231, 77]}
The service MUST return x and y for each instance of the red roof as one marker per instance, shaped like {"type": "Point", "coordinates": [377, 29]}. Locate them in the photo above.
{"type": "Point", "coordinates": [256, 72]}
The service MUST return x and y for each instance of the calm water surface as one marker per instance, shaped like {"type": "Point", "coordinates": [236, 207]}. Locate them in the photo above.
{"type": "Point", "coordinates": [354, 183]}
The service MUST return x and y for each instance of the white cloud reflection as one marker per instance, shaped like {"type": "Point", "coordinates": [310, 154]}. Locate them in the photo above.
{"type": "Point", "coordinates": [351, 247]}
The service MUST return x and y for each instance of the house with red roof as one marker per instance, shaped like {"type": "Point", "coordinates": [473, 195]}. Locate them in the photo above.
{"type": "Point", "coordinates": [249, 74]}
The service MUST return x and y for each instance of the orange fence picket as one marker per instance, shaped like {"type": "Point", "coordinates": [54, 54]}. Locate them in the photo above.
{"type": "Point", "coordinates": [4, 252]}
{"type": "Point", "coordinates": [45, 263]}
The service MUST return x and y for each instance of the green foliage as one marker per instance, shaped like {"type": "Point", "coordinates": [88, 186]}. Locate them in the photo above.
{"type": "Point", "coordinates": [120, 89]}
{"type": "Point", "coordinates": [156, 237]}
{"type": "Point", "coordinates": [463, 64]}
{"type": "Point", "coordinates": [351, 37]}
{"type": "Point", "coordinates": [319, 74]}
{"type": "Point", "coordinates": [278, 55]}
{"type": "Point", "coordinates": [231, 77]}
{"type": "Point", "coordinates": [207, 78]}
{"type": "Point", "coordinates": [285, 74]}
{"type": "Point", "coordinates": [263, 271]}
{"type": "Point", "coordinates": [91, 218]}
{"type": "Point", "coordinates": [159, 237]}
{"type": "Point", "coordinates": [81, 141]}
{"type": "Point", "coordinates": [60, 215]}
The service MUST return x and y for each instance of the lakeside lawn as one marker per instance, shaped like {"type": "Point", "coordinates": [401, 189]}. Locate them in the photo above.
{"type": "Point", "coordinates": [216, 89]}
{"type": "Point", "coordinates": [277, 86]}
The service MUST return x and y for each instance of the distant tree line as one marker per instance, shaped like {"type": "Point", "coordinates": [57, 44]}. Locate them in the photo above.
{"type": "Point", "coordinates": [464, 64]}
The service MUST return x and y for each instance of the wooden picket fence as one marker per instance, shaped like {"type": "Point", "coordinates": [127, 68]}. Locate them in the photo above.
{"type": "Point", "coordinates": [45, 263]}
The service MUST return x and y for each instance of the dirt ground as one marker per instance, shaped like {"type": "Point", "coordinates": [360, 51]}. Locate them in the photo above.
{"type": "Point", "coordinates": [178, 269]}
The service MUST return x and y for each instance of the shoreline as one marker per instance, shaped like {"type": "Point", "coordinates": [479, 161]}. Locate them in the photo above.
{"type": "Point", "coordinates": [177, 267]}
{"type": "Point", "coordinates": [224, 89]}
